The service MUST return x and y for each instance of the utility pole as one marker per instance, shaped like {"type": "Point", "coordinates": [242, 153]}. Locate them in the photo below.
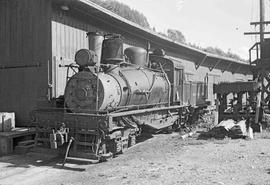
{"type": "Point", "coordinates": [262, 20]}
{"type": "Point", "coordinates": [261, 23]}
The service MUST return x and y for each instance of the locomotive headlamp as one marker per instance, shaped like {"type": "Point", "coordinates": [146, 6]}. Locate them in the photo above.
{"type": "Point", "coordinates": [86, 57]}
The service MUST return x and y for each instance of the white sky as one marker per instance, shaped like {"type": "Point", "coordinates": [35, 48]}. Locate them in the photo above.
{"type": "Point", "coordinates": [217, 23]}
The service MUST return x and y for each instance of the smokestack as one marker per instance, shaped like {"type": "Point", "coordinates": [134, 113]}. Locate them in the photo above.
{"type": "Point", "coordinates": [95, 40]}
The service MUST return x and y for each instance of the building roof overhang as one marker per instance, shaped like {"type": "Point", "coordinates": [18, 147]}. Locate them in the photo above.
{"type": "Point", "coordinates": [116, 22]}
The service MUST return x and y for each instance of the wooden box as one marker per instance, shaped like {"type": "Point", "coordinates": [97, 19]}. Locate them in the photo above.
{"type": "Point", "coordinates": [7, 121]}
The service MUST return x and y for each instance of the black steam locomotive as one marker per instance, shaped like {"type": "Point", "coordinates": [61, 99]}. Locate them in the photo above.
{"type": "Point", "coordinates": [113, 95]}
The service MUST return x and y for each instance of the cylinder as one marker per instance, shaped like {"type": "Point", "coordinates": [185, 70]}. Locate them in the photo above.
{"type": "Point", "coordinates": [95, 40]}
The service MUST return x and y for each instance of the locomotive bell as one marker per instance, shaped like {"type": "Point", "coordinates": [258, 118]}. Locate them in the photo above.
{"type": "Point", "coordinates": [137, 56]}
{"type": "Point", "coordinates": [86, 57]}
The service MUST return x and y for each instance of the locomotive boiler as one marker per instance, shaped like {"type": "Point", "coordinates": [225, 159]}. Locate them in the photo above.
{"type": "Point", "coordinates": [120, 80]}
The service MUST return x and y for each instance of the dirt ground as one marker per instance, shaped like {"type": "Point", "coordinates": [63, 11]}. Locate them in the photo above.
{"type": "Point", "coordinates": [162, 159]}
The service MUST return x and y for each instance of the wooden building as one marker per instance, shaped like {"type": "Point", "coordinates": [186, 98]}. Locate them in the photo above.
{"type": "Point", "coordinates": [36, 36]}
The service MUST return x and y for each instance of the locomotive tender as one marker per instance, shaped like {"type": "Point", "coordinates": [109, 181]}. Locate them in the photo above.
{"type": "Point", "coordinates": [113, 95]}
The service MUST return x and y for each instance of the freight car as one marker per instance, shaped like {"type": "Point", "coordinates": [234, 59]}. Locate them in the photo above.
{"type": "Point", "coordinates": [110, 100]}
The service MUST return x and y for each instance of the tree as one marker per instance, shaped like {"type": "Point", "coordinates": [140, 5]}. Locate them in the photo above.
{"type": "Point", "coordinates": [124, 11]}
{"type": "Point", "coordinates": [163, 34]}
{"type": "Point", "coordinates": [220, 52]}
{"type": "Point", "coordinates": [176, 35]}
{"type": "Point", "coordinates": [216, 51]}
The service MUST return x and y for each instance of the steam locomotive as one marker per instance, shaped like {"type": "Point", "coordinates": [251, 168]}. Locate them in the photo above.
{"type": "Point", "coordinates": [114, 94]}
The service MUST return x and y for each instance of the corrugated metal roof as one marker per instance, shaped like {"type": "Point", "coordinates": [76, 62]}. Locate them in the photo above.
{"type": "Point", "coordinates": [199, 57]}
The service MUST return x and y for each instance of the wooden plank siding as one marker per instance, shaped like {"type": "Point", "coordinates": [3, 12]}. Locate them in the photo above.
{"type": "Point", "coordinates": [25, 39]}
{"type": "Point", "coordinates": [68, 36]}
{"type": "Point", "coordinates": [69, 30]}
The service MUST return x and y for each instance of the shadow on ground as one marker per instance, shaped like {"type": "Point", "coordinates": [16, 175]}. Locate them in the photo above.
{"type": "Point", "coordinates": [143, 137]}
{"type": "Point", "coordinates": [51, 158]}
{"type": "Point", "coordinates": [39, 159]}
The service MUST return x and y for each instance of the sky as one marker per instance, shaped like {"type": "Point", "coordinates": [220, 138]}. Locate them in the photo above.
{"type": "Point", "coordinates": [216, 23]}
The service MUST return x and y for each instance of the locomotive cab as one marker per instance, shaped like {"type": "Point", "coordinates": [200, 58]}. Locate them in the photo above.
{"type": "Point", "coordinates": [175, 73]}
{"type": "Point", "coordinates": [183, 92]}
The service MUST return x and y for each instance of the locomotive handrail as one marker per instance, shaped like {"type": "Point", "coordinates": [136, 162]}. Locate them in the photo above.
{"type": "Point", "coordinates": [143, 111]}
{"type": "Point", "coordinates": [70, 65]}
{"type": "Point", "coordinates": [97, 88]}
{"type": "Point", "coordinates": [138, 67]}
{"type": "Point", "coordinates": [152, 85]}
{"type": "Point", "coordinates": [65, 110]}
{"type": "Point", "coordinates": [169, 83]}
{"type": "Point", "coordinates": [128, 85]}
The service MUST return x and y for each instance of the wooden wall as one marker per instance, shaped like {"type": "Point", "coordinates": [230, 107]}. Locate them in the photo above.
{"type": "Point", "coordinates": [69, 30]}
{"type": "Point", "coordinates": [68, 36]}
{"type": "Point", "coordinates": [24, 40]}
